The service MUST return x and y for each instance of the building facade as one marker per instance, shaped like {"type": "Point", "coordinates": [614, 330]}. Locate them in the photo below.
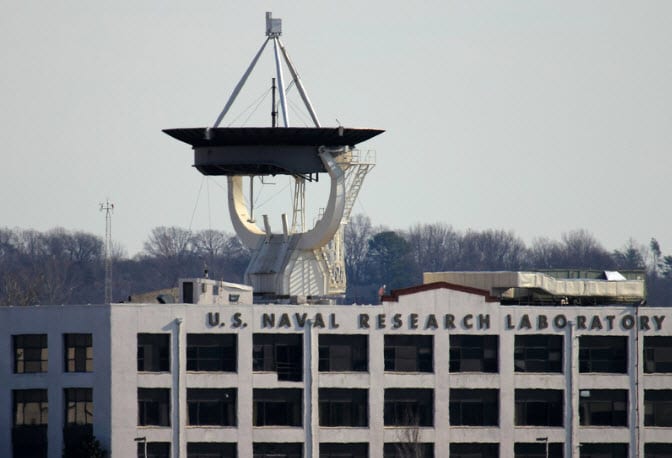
{"type": "Point", "coordinates": [441, 369]}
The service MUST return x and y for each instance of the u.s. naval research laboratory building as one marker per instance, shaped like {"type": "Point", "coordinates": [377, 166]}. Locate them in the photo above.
{"type": "Point", "coordinates": [497, 364]}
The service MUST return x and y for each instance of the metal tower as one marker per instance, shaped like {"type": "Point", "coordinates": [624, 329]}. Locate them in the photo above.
{"type": "Point", "coordinates": [295, 261]}
{"type": "Point", "coordinates": [108, 208]}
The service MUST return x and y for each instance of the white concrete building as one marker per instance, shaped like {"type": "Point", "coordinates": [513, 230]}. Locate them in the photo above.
{"type": "Point", "coordinates": [445, 368]}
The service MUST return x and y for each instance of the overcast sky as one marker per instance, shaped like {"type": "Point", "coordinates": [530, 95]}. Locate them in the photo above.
{"type": "Point", "coordinates": [534, 116]}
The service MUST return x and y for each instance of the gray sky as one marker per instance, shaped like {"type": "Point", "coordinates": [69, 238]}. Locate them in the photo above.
{"type": "Point", "coordinates": [535, 116]}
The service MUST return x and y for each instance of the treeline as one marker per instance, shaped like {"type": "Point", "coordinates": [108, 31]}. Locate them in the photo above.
{"type": "Point", "coordinates": [67, 267]}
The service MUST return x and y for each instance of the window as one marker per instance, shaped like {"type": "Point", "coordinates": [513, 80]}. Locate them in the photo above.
{"type": "Point", "coordinates": [474, 353]}
{"type": "Point", "coordinates": [154, 406]}
{"type": "Point", "coordinates": [538, 353]}
{"type": "Point", "coordinates": [30, 353]}
{"type": "Point", "coordinates": [603, 407]}
{"type": "Point", "coordinates": [211, 450]}
{"type": "Point", "coordinates": [657, 450]}
{"type": "Point", "coordinates": [596, 450]}
{"type": "Point", "coordinates": [406, 406]}
{"type": "Point", "coordinates": [211, 352]}
{"type": "Point", "coordinates": [476, 450]}
{"type": "Point", "coordinates": [153, 352]}
{"type": "Point", "coordinates": [344, 407]}
{"type": "Point", "coordinates": [404, 449]}
{"type": "Point", "coordinates": [278, 407]}
{"type": "Point", "coordinates": [343, 353]}
{"type": "Point", "coordinates": [29, 432]}
{"type": "Point", "coordinates": [154, 450]}
{"type": "Point", "coordinates": [284, 450]}
{"type": "Point", "coordinates": [539, 408]}
{"type": "Point", "coordinates": [211, 406]}
{"type": "Point", "coordinates": [78, 407]}
{"type": "Point", "coordinates": [657, 354]}
{"type": "Point", "coordinates": [409, 353]}
{"type": "Point", "coordinates": [338, 450]}
{"type": "Point", "coordinates": [78, 352]}
{"type": "Point", "coordinates": [474, 407]}
{"type": "Point", "coordinates": [281, 353]}
{"type": "Point", "coordinates": [30, 407]}
{"type": "Point", "coordinates": [538, 450]}
{"type": "Point", "coordinates": [658, 408]}
{"type": "Point", "coordinates": [603, 354]}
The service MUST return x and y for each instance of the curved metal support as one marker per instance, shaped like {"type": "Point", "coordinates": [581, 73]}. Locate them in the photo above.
{"type": "Point", "coordinates": [248, 232]}
{"type": "Point", "coordinates": [327, 226]}
{"type": "Point", "coordinates": [320, 235]}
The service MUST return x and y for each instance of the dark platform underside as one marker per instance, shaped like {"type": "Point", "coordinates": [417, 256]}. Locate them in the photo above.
{"type": "Point", "coordinates": [265, 150]}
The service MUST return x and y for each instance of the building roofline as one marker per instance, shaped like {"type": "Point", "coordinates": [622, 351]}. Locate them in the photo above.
{"type": "Point", "coordinates": [396, 293]}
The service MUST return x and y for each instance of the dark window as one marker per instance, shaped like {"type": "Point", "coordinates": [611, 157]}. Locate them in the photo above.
{"type": "Point", "coordinates": [211, 352]}
{"type": "Point", "coordinates": [29, 432]}
{"type": "Point", "coordinates": [153, 406]}
{"type": "Point", "coordinates": [343, 353]}
{"type": "Point", "coordinates": [538, 353]}
{"type": "Point", "coordinates": [658, 408]}
{"type": "Point", "coordinates": [211, 450]}
{"type": "Point", "coordinates": [188, 292]}
{"type": "Point", "coordinates": [30, 353]}
{"type": "Point", "coordinates": [344, 407]}
{"type": "Point", "coordinates": [603, 354]}
{"type": "Point", "coordinates": [278, 407]}
{"type": "Point", "coordinates": [153, 352]}
{"type": "Point", "coordinates": [154, 450]}
{"type": "Point", "coordinates": [78, 406]}
{"type": "Point", "coordinates": [474, 407]}
{"type": "Point", "coordinates": [473, 353]}
{"type": "Point", "coordinates": [211, 406]}
{"type": "Point", "coordinates": [284, 450]}
{"type": "Point", "coordinates": [594, 450]}
{"type": "Point", "coordinates": [30, 407]}
{"type": "Point", "coordinates": [539, 408]}
{"type": "Point", "coordinates": [538, 450]}
{"type": "Point", "coordinates": [350, 450]}
{"type": "Point", "coordinates": [656, 450]}
{"type": "Point", "coordinates": [603, 407]}
{"type": "Point", "coordinates": [406, 406]}
{"type": "Point", "coordinates": [409, 353]}
{"type": "Point", "coordinates": [475, 450]}
{"type": "Point", "coordinates": [281, 353]}
{"type": "Point", "coordinates": [657, 354]}
{"type": "Point", "coordinates": [408, 449]}
{"type": "Point", "coordinates": [78, 352]}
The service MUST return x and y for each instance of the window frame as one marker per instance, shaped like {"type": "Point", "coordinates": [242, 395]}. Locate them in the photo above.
{"type": "Point", "coordinates": [214, 352]}
{"type": "Point", "coordinates": [603, 354]}
{"type": "Point", "coordinates": [158, 359]}
{"type": "Point", "coordinates": [31, 353]}
{"type": "Point", "coordinates": [409, 353]}
{"type": "Point", "coordinates": [466, 403]}
{"type": "Point", "coordinates": [487, 350]}
{"type": "Point", "coordinates": [547, 357]}
{"type": "Point", "coordinates": [355, 345]}
{"type": "Point", "coordinates": [409, 407]}
{"type": "Point", "coordinates": [527, 399]}
{"type": "Point", "coordinates": [351, 405]}
{"type": "Point", "coordinates": [78, 352]}
{"type": "Point", "coordinates": [154, 399]}
{"type": "Point", "coordinates": [618, 417]}
{"type": "Point", "coordinates": [203, 402]}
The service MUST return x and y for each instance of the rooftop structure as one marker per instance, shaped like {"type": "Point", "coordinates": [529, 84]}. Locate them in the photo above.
{"type": "Point", "coordinates": [296, 261]}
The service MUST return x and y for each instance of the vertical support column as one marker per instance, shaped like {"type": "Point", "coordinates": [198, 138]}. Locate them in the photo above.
{"type": "Point", "coordinates": [636, 395]}
{"type": "Point", "coordinates": [245, 391]}
{"type": "Point", "coordinates": [572, 394]}
{"type": "Point", "coordinates": [377, 396]}
{"type": "Point", "coordinates": [178, 392]}
{"type": "Point", "coordinates": [311, 390]}
{"type": "Point", "coordinates": [442, 385]}
{"type": "Point", "coordinates": [507, 393]}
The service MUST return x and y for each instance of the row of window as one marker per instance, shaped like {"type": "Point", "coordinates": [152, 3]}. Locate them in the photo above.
{"type": "Point", "coordinates": [399, 450]}
{"type": "Point", "coordinates": [283, 353]}
{"type": "Point", "coordinates": [341, 407]}
{"type": "Point", "coordinates": [30, 419]}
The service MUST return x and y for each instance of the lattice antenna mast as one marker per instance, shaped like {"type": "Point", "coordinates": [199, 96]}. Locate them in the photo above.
{"type": "Point", "coordinates": [108, 208]}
